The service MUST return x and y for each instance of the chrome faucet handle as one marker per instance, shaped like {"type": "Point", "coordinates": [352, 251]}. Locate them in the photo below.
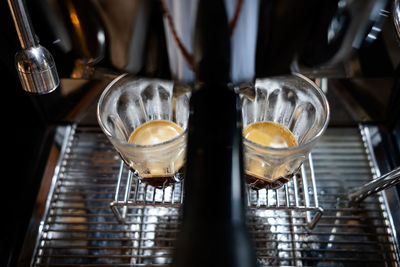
{"type": "Point", "coordinates": [35, 65]}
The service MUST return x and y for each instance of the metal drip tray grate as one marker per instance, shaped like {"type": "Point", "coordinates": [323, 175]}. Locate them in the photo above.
{"type": "Point", "coordinates": [79, 228]}
{"type": "Point", "coordinates": [299, 195]}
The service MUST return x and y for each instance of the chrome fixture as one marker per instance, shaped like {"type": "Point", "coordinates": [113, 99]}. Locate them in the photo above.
{"type": "Point", "coordinates": [34, 63]}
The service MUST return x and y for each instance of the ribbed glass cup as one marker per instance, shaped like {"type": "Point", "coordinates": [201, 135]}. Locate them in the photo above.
{"type": "Point", "coordinates": [128, 103]}
{"type": "Point", "coordinates": [295, 102]}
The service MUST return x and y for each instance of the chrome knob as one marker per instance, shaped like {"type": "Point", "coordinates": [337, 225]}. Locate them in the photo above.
{"type": "Point", "coordinates": [35, 65]}
{"type": "Point", "coordinates": [37, 70]}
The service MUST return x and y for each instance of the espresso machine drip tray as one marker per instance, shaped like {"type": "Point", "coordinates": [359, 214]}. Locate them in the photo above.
{"type": "Point", "coordinates": [77, 227]}
{"type": "Point", "coordinates": [299, 196]}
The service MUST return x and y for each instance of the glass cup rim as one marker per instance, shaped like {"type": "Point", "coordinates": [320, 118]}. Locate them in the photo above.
{"type": "Point", "coordinates": [108, 89]}
{"type": "Point", "coordinates": [315, 137]}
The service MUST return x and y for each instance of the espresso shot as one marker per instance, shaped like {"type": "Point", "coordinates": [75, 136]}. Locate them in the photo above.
{"type": "Point", "coordinates": [283, 117]}
{"type": "Point", "coordinates": [146, 121]}
{"type": "Point", "coordinates": [155, 133]}
{"type": "Point", "coordinates": [258, 175]}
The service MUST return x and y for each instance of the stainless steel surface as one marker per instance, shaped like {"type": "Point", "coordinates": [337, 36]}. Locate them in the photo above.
{"type": "Point", "coordinates": [381, 183]}
{"type": "Point", "coordinates": [23, 24]}
{"type": "Point", "coordinates": [79, 228]}
{"type": "Point", "coordinates": [35, 65]}
{"type": "Point", "coordinates": [364, 21]}
{"type": "Point", "coordinates": [299, 195]}
{"type": "Point", "coordinates": [373, 139]}
{"type": "Point", "coordinates": [131, 193]}
{"type": "Point", "coordinates": [37, 70]}
{"type": "Point", "coordinates": [396, 16]}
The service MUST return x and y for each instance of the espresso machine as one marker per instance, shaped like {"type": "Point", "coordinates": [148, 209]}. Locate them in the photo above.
{"type": "Point", "coordinates": [70, 200]}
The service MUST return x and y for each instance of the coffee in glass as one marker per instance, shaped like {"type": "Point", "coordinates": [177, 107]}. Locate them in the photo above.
{"type": "Point", "coordinates": [146, 121]}
{"type": "Point", "coordinates": [154, 133]}
{"type": "Point", "coordinates": [283, 117]}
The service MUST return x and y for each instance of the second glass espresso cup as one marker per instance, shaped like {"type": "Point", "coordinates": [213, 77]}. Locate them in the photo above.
{"type": "Point", "coordinates": [293, 103]}
{"type": "Point", "coordinates": [129, 103]}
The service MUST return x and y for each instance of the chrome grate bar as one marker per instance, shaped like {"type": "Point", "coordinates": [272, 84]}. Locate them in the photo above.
{"type": "Point", "coordinates": [79, 228]}
{"type": "Point", "coordinates": [289, 197]}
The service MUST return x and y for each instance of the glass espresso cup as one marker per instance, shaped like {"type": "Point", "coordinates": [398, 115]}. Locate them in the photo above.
{"type": "Point", "coordinates": [129, 103]}
{"type": "Point", "coordinates": [293, 103]}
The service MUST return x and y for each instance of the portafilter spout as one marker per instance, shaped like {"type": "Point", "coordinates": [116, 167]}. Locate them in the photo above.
{"type": "Point", "coordinates": [35, 65]}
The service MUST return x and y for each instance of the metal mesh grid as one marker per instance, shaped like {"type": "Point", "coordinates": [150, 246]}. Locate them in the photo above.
{"type": "Point", "coordinates": [299, 195]}
{"type": "Point", "coordinates": [79, 228]}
